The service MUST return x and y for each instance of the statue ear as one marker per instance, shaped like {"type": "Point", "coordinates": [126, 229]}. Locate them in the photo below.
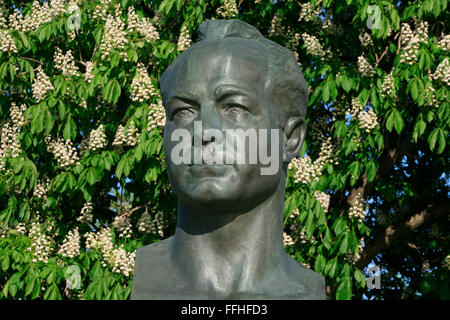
{"type": "Point", "coordinates": [294, 133]}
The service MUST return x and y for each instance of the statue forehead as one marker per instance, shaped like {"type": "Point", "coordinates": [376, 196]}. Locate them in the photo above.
{"type": "Point", "coordinates": [242, 61]}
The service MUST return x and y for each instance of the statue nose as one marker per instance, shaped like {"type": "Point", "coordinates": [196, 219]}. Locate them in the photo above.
{"type": "Point", "coordinates": [210, 129]}
{"type": "Point", "coordinates": [210, 117]}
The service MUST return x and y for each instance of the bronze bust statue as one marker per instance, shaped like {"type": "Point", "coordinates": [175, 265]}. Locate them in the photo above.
{"type": "Point", "coordinates": [228, 242]}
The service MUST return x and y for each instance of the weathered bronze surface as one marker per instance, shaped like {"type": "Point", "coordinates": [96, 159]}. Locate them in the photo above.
{"type": "Point", "coordinates": [228, 242]}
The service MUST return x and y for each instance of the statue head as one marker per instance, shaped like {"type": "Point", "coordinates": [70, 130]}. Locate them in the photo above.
{"type": "Point", "coordinates": [232, 86]}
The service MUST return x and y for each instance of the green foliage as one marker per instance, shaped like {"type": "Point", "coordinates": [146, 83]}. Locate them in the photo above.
{"type": "Point", "coordinates": [387, 167]}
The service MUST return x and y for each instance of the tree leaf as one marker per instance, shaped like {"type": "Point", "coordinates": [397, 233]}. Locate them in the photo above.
{"type": "Point", "coordinates": [111, 92]}
{"type": "Point", "coordinates": [91, 176]}
{"type": "Point", "coordinates": [343, 248]}
{"type": "Point", "coordinates": [48, 121]}
{"type": "Point", "coordinates": [344, 290]}
{"type": "Point", "coordinates": [432, 138]}
{"type": "Point", "coordinates": [442, 141]}
{"type": "Point", "coordinates": [398, 121]}
{"type": "Point", "coordinates": [5, 262]}
{"type": "Point", "coordinates": [346, 83]}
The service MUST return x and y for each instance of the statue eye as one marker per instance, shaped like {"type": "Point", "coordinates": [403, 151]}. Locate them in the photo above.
{"type": "Point", "coordinates": [236, 108]}
{"type": "Point", "coordinates": [183, 113]}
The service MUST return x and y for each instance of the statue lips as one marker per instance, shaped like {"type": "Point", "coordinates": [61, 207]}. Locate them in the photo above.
{"type": "Point", "coordinates": [206, 170]}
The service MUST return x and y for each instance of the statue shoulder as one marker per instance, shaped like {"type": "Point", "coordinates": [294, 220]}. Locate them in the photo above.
{"type": "Point", "coordinates": [313, 282]}
{"type": "Point", "coordinates": [154, 250]}
{"type": "Point", "coordinates": [151, 267]}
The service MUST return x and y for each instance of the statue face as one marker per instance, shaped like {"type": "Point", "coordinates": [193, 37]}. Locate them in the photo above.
{"type": "Point", "coordinates": [221, 84]}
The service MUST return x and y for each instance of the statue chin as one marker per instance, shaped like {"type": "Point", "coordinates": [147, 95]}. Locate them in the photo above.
{"type": "Point", "coordinates": [222, 188]}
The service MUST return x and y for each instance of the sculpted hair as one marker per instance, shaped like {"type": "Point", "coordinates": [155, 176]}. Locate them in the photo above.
{"type": "Point", "coordinates": [285, 83]}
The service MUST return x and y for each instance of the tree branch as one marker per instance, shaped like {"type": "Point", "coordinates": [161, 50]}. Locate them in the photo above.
{"type": "Point", "coordinates": [381, 57]}
{"type": "Point", "coordinates": [387, 161]}
{"type": "Point", "coordinates": [384, 240]}
{"type": "Point", "coordinates": [31, 59]}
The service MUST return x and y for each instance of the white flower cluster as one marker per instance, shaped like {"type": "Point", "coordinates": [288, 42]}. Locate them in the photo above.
{"type": "Point", "coordinates": [353, 258]}
{"type": "Point", "coordinates": [323, 199]}
{"type": "Point", "coordinates": [430, 97]}
{"type": "Point", "coordinates": [446, 262]}
{"type": "Point", "coordinates": [41, 244]}
{"type": "Point", "coordinates": [293, 41]}
{"type": "Point", "coordinates": [305, 170]}
{"type": "Point", "coordinates": [306, 265]}
{"type": "Point", "coordinates": [364, 67]}
{"type": "Point", "coordinates": [421, 30]}
{"type": "Point", "coordinates": [122, 261]}
{"type": "Point", "coordinates": [88, 76]}
{"type": "Point", "coordinates": [365, 39]}
{"type": "Point", "coordinates": [58, 6]}
{"type": "Point", "coordinates": [356, 108]}
{"type": "Point", "coordinates": [122, 224]}
{"type": "Point", "coordinates": [16, 114]}
{"type": "Point", "coordinates": [101, 240]}
{"type": "Point", "coordinates": [7, 42]}
{"type": "Point", "coordinates": [63, 150]}
{"type": "Point", "coordinates": [86, 213]}
{"type": "Point", "coordinates": [120, 138]}
{"type": "Point", "coordinates": [313, 46]}
{"type": "Point", "coordinates": [316, 128]}
{"type": "Point", "coordinates": [41, 188]}
{"type": "Point", "coordinates": [21, 228]}
{"type": "Point", "coordinates": [39, 14]}
{"type": "Point", "coordinates": [118, 258]}
{"type": "Point", "coordinates": [228, 10]}
{"type": "Point", "coordinates": [303, 237]}
{"type": "Point", "coordinates": [425, 266]}
{"type": "Point", "coordinates": [65, 63]}
{"type": "Point", "coordinates": [299, 234]}
{"type": "Point", "coordinates": [294, 214]}
{"type": "Point", "coordinates": [410, 41]}
{"type": "Point", "coordinates": [388, 86]}
{"type": "Point", "coordinates": [442, 72]}
{"type": "Point", "coordinates": [184, 40]}
{"type": "Point", "coordinates": [287, 240]}
{"type": "Point", "coordinates": [142, 87]}
{"type": "Point", "coordinates": [132, 137]}
{"type": "Point", "coordinates": [41, 85]}
{"type": "Point", "coordinates": [156, 116]}
{"type": "Point", "coordinates": [101, 10]}
{"type": "Point", "coordinates": [143, 26]}
{"type": "Point", "coordinates": [307, 13]}
{"type": "Point", "coordinates": [84, 145]}
{"type": "Point", "coordinates": [114, 36]}
{"type": "Point", "coordinates": [367, 120]}
{"type": "Point", "coordinates": [97, 138]}
{"type": "Point", "coordinates": [128, 137]}
{"type": "Point", "coordinates": [444, 43]}
{"type": "Point", "coordinates": [276, 28]}
{"type": "Point", "coordinates": [157, 225]}
{"type": "Point", "coordinates": [329, 26]}
{"type": "Point", "coordinates": [3, 22]}
{"type": "Point", "coordinates": [4, 232]}
{"type": "Point", "coordinates": [9, 139]}
{"type": "Point", "coordinates": [71, 244]}
{"type": "Point", "coordinates": [144, 223]}
{"type": "Point", "coordinates": [357, 210]}
{"type": "Point", "coordinates": [325, 155]}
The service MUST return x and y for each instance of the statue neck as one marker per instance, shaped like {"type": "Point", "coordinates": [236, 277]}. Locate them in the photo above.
{"type": "Point", "coordinates": [231, 243]}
